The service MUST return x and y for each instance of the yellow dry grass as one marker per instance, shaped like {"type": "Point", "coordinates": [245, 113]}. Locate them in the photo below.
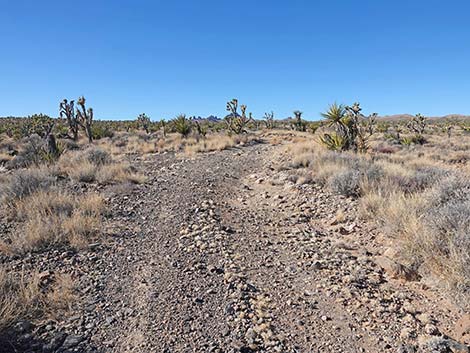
{"type": "Point", "coordinates": [54, 217]}
{"type": "Point", "coordinates": [397, 202]}
{"type": "Point", "coordinates": [23, 296]}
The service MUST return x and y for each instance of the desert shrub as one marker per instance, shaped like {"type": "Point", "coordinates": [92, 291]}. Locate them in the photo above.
{"type": "Point", "coordinates": [302, 161]}
{"type": "Point", "coordinates": [445, 242]}
{"type": "Point", "coordinates": [454, 188]}
{"type": "Point", "coordinates": [425, 177]}
{"type": "Point", "coordinates": [70, 145]}
{"type": "Point", "coordinates": [84, 171]}
{"type": "Point", "coordinates": [97, 156]}
{"type": "Point", "coordinates": [217, 142]}
{"type": "Point", "coordinates": [432, 225]}
{"type": "Point", "coordinates": [412, 140]}
{"type": "Point", "coordinates": [349, 182]}
{"type": "Point", "coordinates": [25, 182]}
{"type": "Point", "coordinates": [346, 182]}
{"type": "Point", "coordinates": [34, 151]}
{"type": "Point", "coordinates": [30, 152]}
{"type": "Point", "coordinates": [417, 180]}
{"type": "Point", "coordinates": [385, 149]}
{"type": "Point", "coordinates": [99, 131]}
{"type": "Point", "coordinates": [340, 159]}
{"type": "Point", "coordinates": [84, 165]}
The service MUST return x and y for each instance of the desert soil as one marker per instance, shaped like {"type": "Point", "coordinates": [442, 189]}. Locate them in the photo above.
{"type": "Point", "coordinates": [222, 253]}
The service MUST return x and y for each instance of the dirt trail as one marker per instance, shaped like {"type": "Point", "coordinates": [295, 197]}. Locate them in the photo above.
{"type": "Point", "coordinates": [219, 253]}
{"type": "Point", "coordinates": [223, 260]}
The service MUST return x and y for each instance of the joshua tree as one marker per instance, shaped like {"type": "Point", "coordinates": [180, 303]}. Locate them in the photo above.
{"type": "Point", "coordinates": [269, 120]}
{"type": "Point", "coordinates": [370, 123]}
{"type": "Point", "coordinates": [299, 124]}
{"type": "Point", "coordinates": [163, 127]}
{"type": "Point", "coordinates": [417, 124]}
{"type": "Point", "coordinates": [84, 118]}
{"type": "Point", "coordinates": [81, 117]}
{"type": "Point", "coordinates": [143, 121]}
{"type": "Point", "coordinates": [237, 123]}
{"type": "Point", "coordinates": [398, 131]}
{"type": "Point", "coordinates": [201, 129]}
{"type": "Point", "coordinates": [39, 124]}
{"type": "Point", "coordinates": [448, 126]}
{"type": "Point", "coordinates": [68, 110]}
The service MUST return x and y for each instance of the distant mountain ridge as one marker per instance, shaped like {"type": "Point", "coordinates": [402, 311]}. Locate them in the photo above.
{"type": "Point", "coordinates": [397, 117]}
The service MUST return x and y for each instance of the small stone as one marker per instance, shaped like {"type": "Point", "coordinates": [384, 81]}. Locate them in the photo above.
{"type": "Point", "coordinates": [109, 320]}
{"type": "Point", "coordinates": [72, 341]}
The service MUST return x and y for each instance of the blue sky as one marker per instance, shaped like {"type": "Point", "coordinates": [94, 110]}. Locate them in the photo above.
{"type": "Point", "coordinates": [170, 57]}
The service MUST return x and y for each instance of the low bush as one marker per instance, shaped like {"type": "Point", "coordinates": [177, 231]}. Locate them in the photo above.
{"type": "Point", "coordinates": [25, 182]}
{"type": "Point", "coordinates": [346, 182]}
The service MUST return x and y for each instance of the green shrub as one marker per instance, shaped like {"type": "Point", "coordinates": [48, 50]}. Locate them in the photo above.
{"type": "Point", "coordinates": [100, 131]}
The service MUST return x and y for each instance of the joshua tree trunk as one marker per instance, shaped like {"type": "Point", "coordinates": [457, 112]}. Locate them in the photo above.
{"type": "Point", "coordinates": [52, 148]}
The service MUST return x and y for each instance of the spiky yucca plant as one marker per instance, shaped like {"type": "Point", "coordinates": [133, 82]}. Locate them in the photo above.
{"type": "Point", "coordinates": [333, 142]}
{"type": "Point", "coordinates": [182, 125]}
{"type": "Point", "coordinates": [351, 128]}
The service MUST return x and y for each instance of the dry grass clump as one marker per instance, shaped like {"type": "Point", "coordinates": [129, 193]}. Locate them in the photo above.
{"type": "Point", "coordinates": [434, 230]}
{"type": "Point", "coordinates": [138, 143]}
{"type": "Point", "coordinates": [141, 143]}
{"type": "Point", "coordinates": [29, 296]}
{"type": "Point", "coordinates": [118, 173]}
{"type": "Point", "coordinates": [216, 142]}
{"type": "Point", "coordinates": [53, 217]}
{"type": "Point", "coordinates": [126, 143]}
{"type": "Point", "coordinates": [96, 165]}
